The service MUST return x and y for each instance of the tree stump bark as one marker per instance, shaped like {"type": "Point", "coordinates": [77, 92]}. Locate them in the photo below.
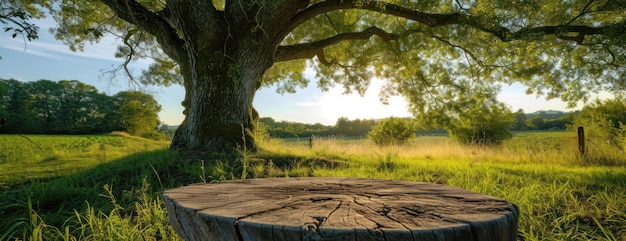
{"type": "Point", "coordinates": [276, 209]}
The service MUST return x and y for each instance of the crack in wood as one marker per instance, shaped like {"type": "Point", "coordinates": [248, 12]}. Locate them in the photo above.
{"type": "Point", "coordinates": [238, 231]}
{"type": "Point", "coordinates": [333, 211]}
{"type": "Point", "coordinates": [320, 199]}
{"type": "Point", "coordinates": [265, 211]}
{"type": "Point", "coordinates": [379, 225]}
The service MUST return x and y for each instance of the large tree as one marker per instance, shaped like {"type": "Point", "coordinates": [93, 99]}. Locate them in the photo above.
{"type": "Point", "coordinates": [76, 101]}
{"type": "Point", "coordinates": [138, 112]}
{"type": "Point", "coordinates": [16, 115]}
{"type": "Point", "coordinates": [428, 51]}
{"type": "Point", "coordinates": [46, 104]}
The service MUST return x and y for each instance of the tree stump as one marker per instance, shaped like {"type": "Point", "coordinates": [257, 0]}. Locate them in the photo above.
{"type": "Point", "coordinates": [338, 209]}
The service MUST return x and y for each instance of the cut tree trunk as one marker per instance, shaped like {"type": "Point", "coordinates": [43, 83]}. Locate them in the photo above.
{"type": "Point", "coordinates": [337, 209]}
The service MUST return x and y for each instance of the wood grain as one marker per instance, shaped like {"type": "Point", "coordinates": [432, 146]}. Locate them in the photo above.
{"type": "Point", "coordinates": [292, 209]}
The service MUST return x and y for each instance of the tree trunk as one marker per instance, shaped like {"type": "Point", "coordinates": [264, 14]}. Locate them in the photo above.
{"type": "Point", "coordinates": [219, 116]}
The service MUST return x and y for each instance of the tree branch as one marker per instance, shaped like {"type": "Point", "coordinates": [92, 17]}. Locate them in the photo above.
{"type": "Point", "coordinates": [583, 12]}
{"type": "Point", "coordinates": [314, 10]}
{"type": "Point", "coordinates": [19, 18]}
{"type": "Point", "coordinates": [564, 31]}
{"type": "Point", "coordinates": [561, 32]}
{"type": "Point", "coordinates": [129, 56]}
{"type": "Point", "coordinates": [309, 50]}
{"type": "Point", "coordinates": [134, 13]}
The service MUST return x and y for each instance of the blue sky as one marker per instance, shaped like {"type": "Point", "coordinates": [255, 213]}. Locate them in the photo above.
{"type": "Point", "coordinates": [47, 58]}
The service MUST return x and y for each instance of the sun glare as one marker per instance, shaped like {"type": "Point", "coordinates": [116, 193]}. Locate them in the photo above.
{"type": "Point", "coordinates": [333, 104]}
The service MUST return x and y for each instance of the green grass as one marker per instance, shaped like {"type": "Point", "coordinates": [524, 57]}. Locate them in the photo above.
{"type": "Point", "coordinates": [561, 195]}
{"type": "Point", "coordinates": [29, 158]}
{"type": "Point", "coordinates": [108, 193]}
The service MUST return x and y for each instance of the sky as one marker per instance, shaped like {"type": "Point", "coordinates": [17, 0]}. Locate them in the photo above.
{"type": "Point", "coordinates": [48, 58]}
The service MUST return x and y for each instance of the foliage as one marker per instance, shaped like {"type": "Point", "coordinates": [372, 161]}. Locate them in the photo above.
{"type": "Point", "coordinates": [392, 131]}
{"type": "Point", "coordinates": [543, 120]}
{"type": "Point", "coordinates": [286, 129]}
{"type": "Point", "coordinates": [73, 107]}
{"type": "Point", "coordinates": [343, 127]}
{"type": "Point", "coordinates": [15, 113]}
{"type": "Point", "coordinates": [17, 16]}
{"type": "Point", "coordinates": [520, 120]}
{"type": "Point", "coordinates": [535, 123]}
{"type": "Point", "coordinates": [138, 113]}
{"type": "Point", "coordinates": [78, 106]}
{"type": "Point", "coordinates": [355, 127]}
{"type": "Point", "coordinates": [483, 122]}
{"type": "Point", "coordinates": [604, 123]}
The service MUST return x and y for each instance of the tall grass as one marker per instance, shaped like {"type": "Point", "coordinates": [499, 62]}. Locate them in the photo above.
{"type": "Point", "coordinates": [60, 176]}
{"type": "Point", "coordinates": [146, 221]}
{"type": "Point", "coordinates": [561, 195]}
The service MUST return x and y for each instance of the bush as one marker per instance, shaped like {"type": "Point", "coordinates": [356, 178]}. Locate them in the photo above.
{"type": "Point", "coordinates": [482, 124]}
{"type": "Point", "coordinates": [392, 131]}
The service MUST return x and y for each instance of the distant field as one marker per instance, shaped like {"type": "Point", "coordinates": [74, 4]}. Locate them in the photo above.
{"type": "Point", "coordinates": [25, 158]}
{"type": "Point", "coordinates": [561, 195]}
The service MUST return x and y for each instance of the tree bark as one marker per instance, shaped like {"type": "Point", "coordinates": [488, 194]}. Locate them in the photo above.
{"type": "Point", "coordinates": [219, 116]}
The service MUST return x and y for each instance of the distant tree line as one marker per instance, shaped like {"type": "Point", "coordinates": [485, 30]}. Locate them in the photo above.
{"type": "Point", "coordinates": [73, 107]}
{"type": "Point", "coordinates": [604, 121]}
{"type": "Point", "coordinates": [343, 127]}
{"type": "Point", "coordinates": [543, 120]}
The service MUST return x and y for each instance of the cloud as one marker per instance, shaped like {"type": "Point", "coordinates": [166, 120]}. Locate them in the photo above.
{"type": "Point", "coordinates": [57, 50]}
{"type": "Point", "coordinates": [49, 47]}
{"type": "Point", "coordinates": [30, 48]}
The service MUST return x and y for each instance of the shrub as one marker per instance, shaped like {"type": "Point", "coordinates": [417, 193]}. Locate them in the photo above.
{"type": "Point", "coordinates": [392, 131]}
{"type": "Point", "coordinates": [483, 124]}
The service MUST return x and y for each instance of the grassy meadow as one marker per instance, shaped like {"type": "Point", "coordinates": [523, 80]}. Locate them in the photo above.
{"type": "Point", "coordinates": [108, 187]}
{"type": "Point", "coordinates": [27, 158]}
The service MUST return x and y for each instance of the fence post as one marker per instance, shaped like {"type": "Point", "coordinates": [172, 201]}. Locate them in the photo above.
{"type": "Point", "coordinates": [581, 140]}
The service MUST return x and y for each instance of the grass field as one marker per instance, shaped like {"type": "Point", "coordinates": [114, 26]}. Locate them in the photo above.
{"type": "Point", "coordinates": [28, 158]}
{"type": "Point", "coordinates": [107, 187]}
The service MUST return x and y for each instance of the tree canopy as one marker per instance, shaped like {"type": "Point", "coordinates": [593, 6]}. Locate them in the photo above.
{"type": "Point", "coordinates": [138, 112]}
{"type": "Point", "coordinates": [483, 123]}
{"type": "Point", "coordinates": [16, 18]}
{"type": "Point", "coordinates": [73, 107]}
{"type": "Point", "coordinates": [438, 54]}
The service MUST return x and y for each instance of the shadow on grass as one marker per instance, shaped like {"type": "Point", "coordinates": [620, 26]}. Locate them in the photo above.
{"type": "Point", "coordinates": [55, 199]}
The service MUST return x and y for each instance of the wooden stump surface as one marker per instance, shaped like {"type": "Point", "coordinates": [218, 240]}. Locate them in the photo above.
{"type": "Point", "coordinates": [293, 209]}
